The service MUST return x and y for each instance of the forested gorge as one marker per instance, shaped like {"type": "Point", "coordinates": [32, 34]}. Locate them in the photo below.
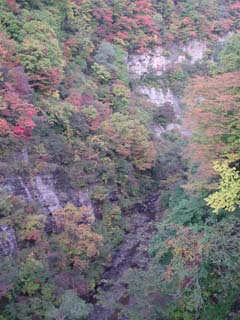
{"type": "Point", "coordinates": [119, 159]}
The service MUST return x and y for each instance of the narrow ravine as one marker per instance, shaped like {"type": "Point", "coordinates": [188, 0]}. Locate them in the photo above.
{"type": "Point", "coordinates": [132, 253]}
{"type": "Point", "coordinates": [119, 160]}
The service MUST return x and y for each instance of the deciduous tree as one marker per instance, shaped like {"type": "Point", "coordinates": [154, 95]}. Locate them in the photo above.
{"type": "Point", "coordinates": [213, 118]}
{"type": "Point", "coordinates": [76, 234]}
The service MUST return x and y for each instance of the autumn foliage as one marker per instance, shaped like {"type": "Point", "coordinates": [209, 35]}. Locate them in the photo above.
{"type": "Point", "coordinates": [75, 232]}
{"type": "Point", "coordinates": [74, 129]}
{"type": "Point", "coordinates": [131, 140]}
{"type": "Point", "coordinates": [17, 114]}
{"type": "Point", "coordinates": [212, 117]}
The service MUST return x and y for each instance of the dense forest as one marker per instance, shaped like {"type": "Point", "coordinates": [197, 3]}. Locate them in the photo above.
{"type": "Point", "coordinates": [119, 159]}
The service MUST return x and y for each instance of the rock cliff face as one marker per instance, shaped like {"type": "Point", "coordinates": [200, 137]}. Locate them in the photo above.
{"type": "Point", "coordinates": [158, 97]}
{"type": "Point", "coordinates": [157, 62]}
{"type": "Point", "coordinates": [8, 243]}
{"type": "Point", "coordinates": [159, 59]}
{"type": "Point", "coordinates": [39, 188]}
{"type": "Point", "coordinates": [48, 191]}
{"type": "Point", "coordinates": [45, 190]}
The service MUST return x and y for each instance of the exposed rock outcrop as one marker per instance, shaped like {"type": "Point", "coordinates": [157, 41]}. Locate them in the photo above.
{"type": "Point", "coordinates": [159, 59]}
{"type": "Point", "coordinates": [84, 200]}
{"type": "Point", "coordinates": [159, 97]}
{"type": "Point", "coordinates": [157, 62]}
{"type": "Point", "coordinates": [50, 190]}
{"type": "Point", "coordinates": [8, 242]}
{"type": "Point", "coordinates": [194, 51]}
{"type": "Point", "coordinates": [47, 193]}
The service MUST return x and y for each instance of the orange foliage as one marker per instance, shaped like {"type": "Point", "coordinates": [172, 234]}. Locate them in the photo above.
{"type": "Point", "coordinates": [211, 116]}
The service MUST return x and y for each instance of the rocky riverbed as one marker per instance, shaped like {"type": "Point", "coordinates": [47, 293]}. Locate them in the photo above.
{"type": "Point", "coordinates": [131, 254]}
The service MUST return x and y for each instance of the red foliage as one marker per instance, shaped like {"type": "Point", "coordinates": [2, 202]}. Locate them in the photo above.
{"type": "Point", "coordinates": [16, 112]}
{"type": "Point", "coordinates": [125, 23]}
{"type": "Point", "coordinates": [134, 23]}
{"type": "Point", "coordinates": [67, 46]}
{"type": "Point", "coordinates": [226, 24]}
{"type": "Point", "coordinates": [47, 80]}
{"type": "Point", "coordinates": [103, 113]}
{"type": "Point", "coordinates": [192, 34]}
{"type": "Point", "coordinates": [77, 2]}
{"type": "Point", "coordinates": [20, 80]}
{"type": "Point", "coordinates": [145, 21]}
{"type": "Point", "coordinates": [33, 235]}
{"type": "Point", "coordinates": [122, 35]}
{"type": "Point", "coordinates": [104, 16]}
{"type": "Point", "coordinates": [170, 37]}
{"type": "Point", "coordinates": [79, 100]}
{"type": "Point", "coordinates": [143, 13]}
{"type": "Point", "coordinates": [7, 51]}
{"type": "Point", "coordinates": [13, 6]}
{"type": "Point", "coordinates": [235, 6]}
{"type": "Point", "coordinates": [187, 21]}
{"type": "Point", "coordinates": [143, 6]}
{"type": "Point", "coordinates": [4, 127]}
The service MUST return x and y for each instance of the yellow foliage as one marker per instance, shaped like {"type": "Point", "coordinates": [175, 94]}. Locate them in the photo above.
{"type": "Point", "coordinates": [227, 195]}
{"type": "Point", "coordinates": [77, 234]}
